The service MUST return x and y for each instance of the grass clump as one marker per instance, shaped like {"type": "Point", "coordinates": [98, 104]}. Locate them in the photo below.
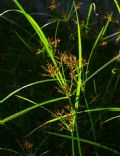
{"type": "Point", "coordinates": [76, 89]}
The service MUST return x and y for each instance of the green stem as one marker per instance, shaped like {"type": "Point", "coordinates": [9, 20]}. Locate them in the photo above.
{"type": "Point", "coordinates": [78, 140]}
{"type": "Point", "coordinates": [73, 150]}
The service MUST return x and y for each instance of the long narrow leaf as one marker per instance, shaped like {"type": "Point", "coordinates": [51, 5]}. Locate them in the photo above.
{"type": "Point", "coordinates": [43, 39]}
{"type": "Point", "coordinates": [26, 86]}
{"type": "Point", "coordinates": [101, 68]}
{"type": "Point", "coordinates": [86, 141]}
{"type": "Point", "coordinates": [117, 5]}
{"type": "Point", "coordinates": [20, 113]}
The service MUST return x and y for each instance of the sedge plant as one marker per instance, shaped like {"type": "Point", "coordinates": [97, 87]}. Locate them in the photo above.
{"type": "Point", "coordinates": [72, 88]}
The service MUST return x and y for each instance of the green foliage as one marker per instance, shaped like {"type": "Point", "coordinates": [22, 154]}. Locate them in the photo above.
{"type": "Point", "coordinates": [74, 77]}
{"type": "Point", "coordinates": [117, 5]}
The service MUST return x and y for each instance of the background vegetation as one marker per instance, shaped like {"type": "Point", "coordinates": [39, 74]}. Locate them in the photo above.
{"type": "Point", "coordinates": [59, 79]}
